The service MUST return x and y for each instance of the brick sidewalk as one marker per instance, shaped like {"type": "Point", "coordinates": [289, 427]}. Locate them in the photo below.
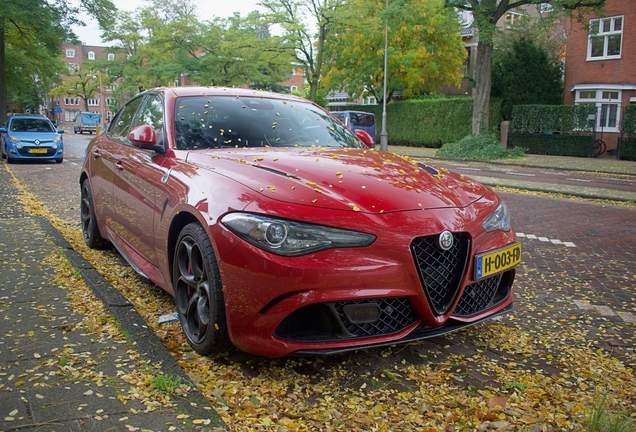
{"type": "Point", "coordinates": [54, 375]}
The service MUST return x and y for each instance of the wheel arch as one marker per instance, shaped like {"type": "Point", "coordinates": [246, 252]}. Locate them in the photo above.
{"type": "Point", "coordinates": [83, 176]}
{"type": "Point", "coordinates": [182, 219]}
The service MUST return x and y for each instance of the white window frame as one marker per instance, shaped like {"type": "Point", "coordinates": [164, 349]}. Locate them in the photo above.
{"type": "Point", "coordinates": [91, 55]}
{"type": "Point", "coordinates": [605, 34]}
{"type": "Point", "coordinates": [293, 88]}
{"type": "Point", "coordinates": [514, 16]}
{"type": "Point", "coordinates": [111, 56]}
{"type": "Point", "coordinates": [71, 101]}
{"type": "Point", "coordinates": [369, 100]}
{"type": "Point", "coordinates": [606, 107]}
{"type": "Point", "coordinates": [69, 115]}
{"type": "Point", "coordinates": [70, 53]}
{"type": "Point", "coordinates": [92, 102]}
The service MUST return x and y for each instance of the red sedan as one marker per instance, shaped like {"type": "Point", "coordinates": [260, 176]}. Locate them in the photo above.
{"type": "Point", "coordinates": [278, 231]}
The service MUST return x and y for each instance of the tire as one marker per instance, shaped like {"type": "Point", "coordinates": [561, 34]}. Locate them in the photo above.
{"type": "Point", "coordinates": [59, 160]}
{"type": "Point", "coordinates": [599, 147]}
{"type": "Point", "coordinates": [198, 292]}
{"type": "Point", "coordinates": [90, 230]}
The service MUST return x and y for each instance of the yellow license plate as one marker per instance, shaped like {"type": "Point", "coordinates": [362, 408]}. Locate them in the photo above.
{"type": "Point", "coordinates": [37, 150]}
{"type": "Point", "coordinates": [496, 261]}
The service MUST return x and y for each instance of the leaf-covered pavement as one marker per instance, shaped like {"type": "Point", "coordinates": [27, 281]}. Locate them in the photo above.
{"type": "Point", "coordinates": [542, 368]}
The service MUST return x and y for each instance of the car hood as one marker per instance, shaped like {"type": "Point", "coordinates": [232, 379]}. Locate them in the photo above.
{"type": "Point", "coordinates": [342, 179]}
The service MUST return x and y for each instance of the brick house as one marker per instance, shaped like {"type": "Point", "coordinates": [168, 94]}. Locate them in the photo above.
{"type": "Point", "coordinates": [600, 67]}
{"type": "Point", "coordinates": [66, 108]}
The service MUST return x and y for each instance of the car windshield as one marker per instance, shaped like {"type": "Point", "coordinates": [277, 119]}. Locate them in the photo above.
{"type": "Point", "coordinates": [213, 122]}
{"type": "Point", "coordinates": [31, 125]}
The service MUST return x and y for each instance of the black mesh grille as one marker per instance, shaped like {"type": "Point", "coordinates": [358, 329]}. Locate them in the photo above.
{"type": "Point", "coordinates": [397, 314]}
{"type": "Point", "coordinates": [478, 296]}
{"type": "Point", "coordinates": [440, 271]}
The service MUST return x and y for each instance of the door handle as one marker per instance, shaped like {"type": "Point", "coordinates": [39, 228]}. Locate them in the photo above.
{"type": "Point", "coordinates": [119, 165]}
{"type": "Point", "coordinates": [96, 154]}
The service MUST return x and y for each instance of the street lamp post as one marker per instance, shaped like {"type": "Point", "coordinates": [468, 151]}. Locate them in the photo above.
{"type": "Point", "coordinates": [384, 136]}
{"type": "Point", "coordinates": [101, 99]}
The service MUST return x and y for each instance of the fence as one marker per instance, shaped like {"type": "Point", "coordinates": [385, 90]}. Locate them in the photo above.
{"type": "Point", "coordinates": [560, 130]}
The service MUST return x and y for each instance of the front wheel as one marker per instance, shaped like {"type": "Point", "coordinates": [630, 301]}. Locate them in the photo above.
{"type": "Point", "coordinates": [198, 292]}
{"type": "Point", "coordinates": [90, 230]}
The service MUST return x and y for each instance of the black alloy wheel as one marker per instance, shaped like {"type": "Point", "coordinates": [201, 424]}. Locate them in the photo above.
{"type": "Point", "coordinates": [92, 237]}
{"type": "Point", "coordinates": [198, 292]}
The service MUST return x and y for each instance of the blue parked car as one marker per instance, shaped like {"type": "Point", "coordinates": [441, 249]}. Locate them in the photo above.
{"type": "Point", "coordinates": [357, 120]}
{"type": "Point", "coordinates": [31, 137]}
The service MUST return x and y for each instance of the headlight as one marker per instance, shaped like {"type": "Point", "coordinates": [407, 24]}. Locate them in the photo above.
{"type": "Point", "coordinates": [288, 238]}
{"type": "Point", "coordinates": [498, 220]}
{"type": "Point", "coordinates": [15, 139]}
{"type": "Point", "coordinates": [57, 140]}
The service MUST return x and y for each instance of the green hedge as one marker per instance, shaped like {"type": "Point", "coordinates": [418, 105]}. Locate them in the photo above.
{"type": "Point", "coordinates": [552, 118]}
{"type": "Point", "coordinates": [552, 144]}
{"type": "Point", "coordinates": [628, 126]}
{"type": "Point", "coordinates": [627, 141]}
{"type": "Point", "coordinates": [429, 122]}
{"type": "Point", "coordinates": [627, 149]}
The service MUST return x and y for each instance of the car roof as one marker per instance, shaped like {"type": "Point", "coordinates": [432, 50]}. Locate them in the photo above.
{"type": "Point", "coordinates": [223, 91]}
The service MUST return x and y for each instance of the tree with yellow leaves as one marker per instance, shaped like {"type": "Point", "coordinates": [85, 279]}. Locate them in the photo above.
{"type": "Point", "coordinates": [425, 50]}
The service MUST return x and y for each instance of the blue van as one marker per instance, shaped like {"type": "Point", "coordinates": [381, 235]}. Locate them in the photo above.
{"type": "Point", "coordinates": [355, 120]}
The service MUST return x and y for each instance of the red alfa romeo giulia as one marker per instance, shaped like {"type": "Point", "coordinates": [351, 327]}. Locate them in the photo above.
{"type": "Point", "coordinates": [279, 231]}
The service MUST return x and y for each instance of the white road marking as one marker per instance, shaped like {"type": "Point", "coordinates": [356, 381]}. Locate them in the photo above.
{"type": "Point", "coordinates": [605, 310]}
{"type": "Point", "coordinates": [579, 180]}
{"type": "Point", "coordinates": [520, 174]}
{"type": "Point", "coordinates": [545, 239]}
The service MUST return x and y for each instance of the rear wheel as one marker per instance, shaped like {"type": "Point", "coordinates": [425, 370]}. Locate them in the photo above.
{"type": "Point", "coordinates": [92, 237]}
{"type": "Point", "coordinates": [198, 292]}
{"type": "Point", "coordinates": [599, 147]}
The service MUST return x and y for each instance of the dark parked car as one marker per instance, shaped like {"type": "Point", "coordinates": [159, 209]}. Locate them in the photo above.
{"type": "Point", "coordinates": [31, 137]}
{"type": "Point", "coordinates": [358, 120]}
{"type": "Point", "coordinates": [277, 230]}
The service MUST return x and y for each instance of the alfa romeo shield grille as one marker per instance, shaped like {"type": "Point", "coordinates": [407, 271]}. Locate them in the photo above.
{"type": "Point", "coordinates": [440, 270]}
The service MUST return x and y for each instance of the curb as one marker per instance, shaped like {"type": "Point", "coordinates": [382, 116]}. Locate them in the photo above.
{"type": "Point", "coordinates": [146, 341]}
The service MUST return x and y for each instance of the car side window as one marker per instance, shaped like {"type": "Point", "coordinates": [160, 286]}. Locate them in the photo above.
{"type": "Point", "coordinates": [123, 121]}
{"type": "Point", "coordinates": [152, 114]}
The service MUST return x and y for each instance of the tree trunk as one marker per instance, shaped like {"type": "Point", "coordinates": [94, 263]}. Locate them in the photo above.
{"type": "Point", "coordinates": [313, 85]}
{"type": "Point", "coordinates": [3, 79]}
{"type": "Point", "coordinates": [481, 105]}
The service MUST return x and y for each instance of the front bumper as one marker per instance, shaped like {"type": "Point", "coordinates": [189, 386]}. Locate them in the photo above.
{"type": "Point", "coordinates": [316, 304]}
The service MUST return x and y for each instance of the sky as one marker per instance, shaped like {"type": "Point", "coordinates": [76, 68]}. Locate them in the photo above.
{"type": "Point", "coordinates": [206, 9]}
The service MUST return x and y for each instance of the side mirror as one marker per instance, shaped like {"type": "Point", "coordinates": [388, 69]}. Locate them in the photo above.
{"type": "Point", "coordinates": [3, 129]}
{"type": "Point", "coordinates": [60, 131]}
{"type": "Point", "coordinates": [143, 136]}
{"type": "Point", "coordinates": [365, 138]}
